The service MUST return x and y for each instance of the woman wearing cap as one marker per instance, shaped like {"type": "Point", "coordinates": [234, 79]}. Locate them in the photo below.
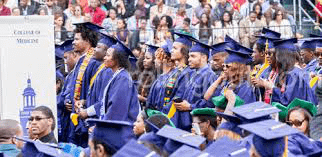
{"type": "Point", "coordinates": [163, 62]}
{"type": "Point", "coordinates": [291, 81]}
{"type": "Point", "coordinates": [120, 100]}
{"type": "Point", "coordinates": [236, 74]}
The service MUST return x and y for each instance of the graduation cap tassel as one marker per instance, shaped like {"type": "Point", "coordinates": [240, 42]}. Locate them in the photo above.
{"type": "Point", "coordinates": [266, 50]}
{"type": "Point", "coordinates": [285, 154]}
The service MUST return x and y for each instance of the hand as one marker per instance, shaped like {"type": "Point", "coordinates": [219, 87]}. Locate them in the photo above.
{"type": "Point", "coordinates": [69, 107]}
{"type": "Point", "coordinates": [182, 106]}
{"type": "Point", "coordinates": [222, 77]}
{"type": "Point", "coordinates": [91, 129]}
{"type": "Point", "coordinates": [141, 98]}
{"type": "Point", "coordinates": [79, 104]}
{"type": "Point", "coordinates": [82, 114]}
{"type": "Point", "coordinates": [193, 131]}
{"type": "Point", "coordinates": [230, 95]}
{"type": "Point", "coordinates": [257, 82]}
{"type": "Point", "coordinates": [312, 74]}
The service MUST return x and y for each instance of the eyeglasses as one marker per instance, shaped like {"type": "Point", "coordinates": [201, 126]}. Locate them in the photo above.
{"type": "Point", "coordinates": [37, 118]}
{"type": "Point", "coordinates": [227, 66]}
{"type": "Point", "coordinates": [279, 14]}
{"type": "Point", "coordinates": [297, 123]}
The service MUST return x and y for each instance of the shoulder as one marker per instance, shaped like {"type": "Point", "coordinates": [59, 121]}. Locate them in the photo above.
{"type": "Point", "coordinates": [124, 76]}
{"type": "Point", "coordinates": [272, 23]}
{"type": "Point", "coordinates": [285, 21]}
{"type": "Point", "coordinates": [87, 9]}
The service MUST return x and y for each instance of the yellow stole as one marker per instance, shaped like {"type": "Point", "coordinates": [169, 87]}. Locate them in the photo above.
{"type": "Point", "coordinates": [313, 81]}
{"type": "Point", "coordinates": [78, 85]}
{"type": "Point", "coordinates": [100, 68]}
{"type": "Point", "coordinates": [173, 109]}
{"type": "Point", "coordinates": [265, 66]}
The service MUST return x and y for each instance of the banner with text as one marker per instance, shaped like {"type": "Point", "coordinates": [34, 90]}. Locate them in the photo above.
{"type": "Point", "coordinates": [27, 66]}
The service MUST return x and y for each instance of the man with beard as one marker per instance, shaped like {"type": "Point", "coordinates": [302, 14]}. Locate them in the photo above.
{"type": "Point", "coordinates": [85, 40]}
{"type": "Point", "coordinates": [64, 105]}
{"type": "Point", "coordinates": [201, 78]}
{"type": "Point", "coordinates": [218, 57]}
{"type": "Point", "coordinates": [308, 56]}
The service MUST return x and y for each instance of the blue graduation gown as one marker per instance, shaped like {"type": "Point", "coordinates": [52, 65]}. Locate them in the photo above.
{"type": "Point", "coordinates": [62, 114]}
{"type": "Point", "coordinates": [195, 89]}
{"type": "Point", "coordinates": [311, 66]}
{"type": "Point", "coordinates": [78, 134]}
{"type": "Point", "coordinates": [95, 93]}
{"type": "Point", "coordinates": [244, 90]}
{"type": "Point", "coordinates": [299, 144]}
{"type": "Point", "coordinates": [179, 85]}
{"type": "Point", "coordinates": [120, 100]}
{"type": "Point", "coordinates": [90, 71]}
{"type": "Point", "coordinates": [265, 73]}
{"type": "Point", "coordinates": [156, 95]}
{"type": "Point", "coordinates": [260, 92]}
{"type": "Point", "coordinates": [296, 86]}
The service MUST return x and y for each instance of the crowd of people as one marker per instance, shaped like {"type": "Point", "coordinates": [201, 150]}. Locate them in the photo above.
{"type": "Point", "coordinates": [175, 92]}
{"type": "Point", "coordinates": [139, 21]}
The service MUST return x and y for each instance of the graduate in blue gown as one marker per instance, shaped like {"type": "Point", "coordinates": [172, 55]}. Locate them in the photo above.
{"type": "Point", "coordinates": [219, 55]}
{"type": "Point", "coordinates": [233, 81]}
{"type": "Point", "coordinates": [85, 40]}
{"type": "Point", "coordinates": [109, 136]}
{"type": "Point", "coordinates": [100, 80]}
{"type": "Point", "coordinates": [97, 84]}
{"type": "Point", "coordinates": [308, 55]}
{"type": "Point", "coordinates": [182, 73]}
{"type": "Point", "coordinates": [268, 138]}
{"type": "Point", "coordinates": [314, 74]}
{"type": "Point", "coordinates": [263, 63]}
{"type": "Point", "coordinates": [120, 99]}
{"type": "Point", "coordinates": [201, 79]}
{"type": "Point", "coordinates": [64, 105]}
{"type": "Point", "coordinates": [292, 82]}
{"type": "Point", "coordinates": [163, 61]}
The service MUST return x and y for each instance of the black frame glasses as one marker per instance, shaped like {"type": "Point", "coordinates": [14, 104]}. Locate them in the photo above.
{"type": "Point", "coordinates": [37, 118]}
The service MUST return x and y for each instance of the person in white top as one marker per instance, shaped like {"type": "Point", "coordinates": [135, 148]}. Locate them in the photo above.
{"type": "Point", "coordinates": [226, 26]}
{"type": "Point", "coordinates": [76, 17]}
{"type": "Point", "coordinates": [281, 25]}
{"type": "Point", "coordinates": [110, 24]}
